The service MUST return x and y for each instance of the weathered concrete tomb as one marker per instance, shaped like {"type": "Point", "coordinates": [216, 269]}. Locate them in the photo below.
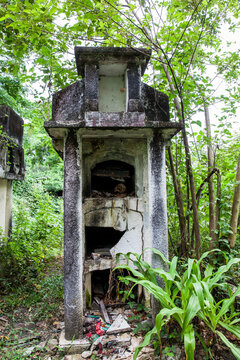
{"type": "Point", "coordinates": [111, 130]}
{"type": "Point", "coordinates": [11, 161]}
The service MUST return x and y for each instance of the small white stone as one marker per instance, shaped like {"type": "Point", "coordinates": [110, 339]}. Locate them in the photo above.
{"type": "Point", "coordinates": [29, 350]}
{"type": "Point", "coordinates": [52, 343]}
{"type": "Point", "coordinates": [86, 354]}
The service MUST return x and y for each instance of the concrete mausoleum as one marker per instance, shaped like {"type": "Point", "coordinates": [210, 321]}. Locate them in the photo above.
{"type": "Point", "coordinates": [11, 162]}
{"type": "Point", "coordinates": [111, 129]}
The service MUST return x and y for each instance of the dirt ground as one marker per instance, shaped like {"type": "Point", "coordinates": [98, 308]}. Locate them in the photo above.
{"type": "Point", "coordinates": [31, 321]}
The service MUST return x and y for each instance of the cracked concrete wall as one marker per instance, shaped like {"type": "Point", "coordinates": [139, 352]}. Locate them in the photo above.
{"type": "Point", "coordinates": [122, 215]}
{"type": "Point", "coordinates": [127, 214]}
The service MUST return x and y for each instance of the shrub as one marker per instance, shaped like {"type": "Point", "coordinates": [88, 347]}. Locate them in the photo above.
{"type": "Point", "coordinates": [36, 236]}
{"type": "Point", "coordinates": [186, 297]}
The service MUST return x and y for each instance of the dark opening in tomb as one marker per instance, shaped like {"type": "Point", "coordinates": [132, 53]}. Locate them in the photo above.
{"type": "Point", "coordinates": [105, 285]}
{"type": "Point", "coordinates": [100, 283]}
{"type": "Point", "coordinates": [100, 240]}
{"type": "Point", "coordinates": [112, 178]}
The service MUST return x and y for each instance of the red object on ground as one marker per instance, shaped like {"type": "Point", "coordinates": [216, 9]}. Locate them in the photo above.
{"type": "Point", "coordinates": [100, 348]}
{"type": "Point", "coordinates": [100, 332]}
{"type": "Point", "coordinates": [98, 329]}
{"type": "Point", "coordinates": [89, 335]}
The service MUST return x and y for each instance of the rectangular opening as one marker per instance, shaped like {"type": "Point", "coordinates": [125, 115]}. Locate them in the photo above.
{"type": "Point", "coordinates": [105, 285]}
{"type": "Point", "coordinates": [99, 240]}
{"type": "Point", "coordinates": [112, 93]}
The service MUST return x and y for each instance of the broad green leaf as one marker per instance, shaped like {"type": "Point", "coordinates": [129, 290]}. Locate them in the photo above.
{"type": "Point", "coordinates": [199, 292]}
{"type": "Point", "coordinates": [147, 340]}
{"type": "Point", "coordinates": [235, 350]}
{"type": "Point", "coordinates": [192, 309]}
{"type": "Point", "coordinates": [190, 265]}
{"type": "Point", "coordinates": [189, 343]}
{"type": "Point", "coordinates": [226, 304]}
{"type": "Point", "coordinates": [234, 329]}
{"type": "Point", "coordinates": [216, 277]}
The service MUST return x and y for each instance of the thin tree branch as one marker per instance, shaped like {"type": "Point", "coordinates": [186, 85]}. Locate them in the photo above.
{"type": "Point", "coordinates": [181, 37]}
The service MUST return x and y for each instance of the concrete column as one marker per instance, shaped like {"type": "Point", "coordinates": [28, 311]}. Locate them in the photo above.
{"type": "Point", "coordinates": [6, 206]}
{"type": "Point", "coordinates": [91, 87]}
{"type": "Point", "coordinates": [73, 238]}
{"type": "Point", "coordinates": [134, 88]}
{"type": "Point", "coordinates": [157, 201]}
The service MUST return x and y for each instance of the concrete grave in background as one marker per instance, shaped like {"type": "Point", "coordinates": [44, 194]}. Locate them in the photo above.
{"type": "Point", "coordinates": [111, 129]}
{"type": "Point", "coordinates": [11, 162]}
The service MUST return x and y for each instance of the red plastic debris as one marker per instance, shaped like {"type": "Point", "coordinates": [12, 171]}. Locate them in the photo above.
{"type": "Point", "coordinates": [100, 332]}
{"type": "Point", "coordinates": [89, 335]}
{"type": "Point", "coordinates": [98, 326]}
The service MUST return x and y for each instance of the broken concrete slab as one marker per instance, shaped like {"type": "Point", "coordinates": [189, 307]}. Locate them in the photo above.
{"type": "Point", "coordinates": [119, 325]}
{"type": "Point", "coordinates": [135, 342]}
{"type": "Point", "coordinates": [124, 339]}
{"type": "Point", "coordinates": [73, 346]}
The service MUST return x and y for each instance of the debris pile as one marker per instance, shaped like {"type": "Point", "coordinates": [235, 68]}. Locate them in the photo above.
{"type": "Point", "coordinates": [111, 333]}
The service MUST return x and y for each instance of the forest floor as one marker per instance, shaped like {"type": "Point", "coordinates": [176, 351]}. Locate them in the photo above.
{"type": "Point", "coordinates": [31, 322]}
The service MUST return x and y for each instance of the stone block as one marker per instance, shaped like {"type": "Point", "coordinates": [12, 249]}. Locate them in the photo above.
{"type": "Point", "coordinates": [73, 346]}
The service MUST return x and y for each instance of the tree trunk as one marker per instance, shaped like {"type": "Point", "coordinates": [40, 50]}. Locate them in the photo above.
{"type": "Point", "coordinates": [235, 208]}
{"type": "Point", "coordinates": [193, 195]}
{"type": "Point", "coordinates": [212, 223]}
{"type": "Point", "coordinates": [180, 112]}
{"type": "Point", "coordinates": [179, 200]}
{"type": "Point", "coordinates": [218, 206]}
{"type": "Point", "coordinates": [188, 217]}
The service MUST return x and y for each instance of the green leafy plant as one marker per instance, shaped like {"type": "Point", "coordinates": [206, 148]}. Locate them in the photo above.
{"type": "Point", "coordinates": [36, 237]}
{"type": "Point", "coordinates": [185, 297]}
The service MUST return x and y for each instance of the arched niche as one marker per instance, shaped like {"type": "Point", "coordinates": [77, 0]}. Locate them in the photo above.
{"type": "Point", "coordinates": [112, 178]}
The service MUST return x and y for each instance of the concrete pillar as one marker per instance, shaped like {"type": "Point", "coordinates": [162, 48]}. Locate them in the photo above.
{"type": "Point", "coordinates": [73, 238]}
{"type": "Point", "coordinates": [157, 201]}
{"type": "Point", "coordinates": [6, 206]}
{"type": "Point", "coordinates": [134, 88]}
{"type": "Point", "coordinates": [91, 87]}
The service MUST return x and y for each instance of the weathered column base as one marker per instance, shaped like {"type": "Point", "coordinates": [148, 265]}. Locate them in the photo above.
{"type": "Point", "coordinates": [73, 346]}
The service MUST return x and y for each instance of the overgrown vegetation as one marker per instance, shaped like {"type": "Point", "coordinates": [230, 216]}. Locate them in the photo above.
{"type": "Point", "coordinates": [188, 298]}
{"type": "Point", "coordinates": [189, 60]}
{"type": "Point", "coordinates": [36, 237]}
